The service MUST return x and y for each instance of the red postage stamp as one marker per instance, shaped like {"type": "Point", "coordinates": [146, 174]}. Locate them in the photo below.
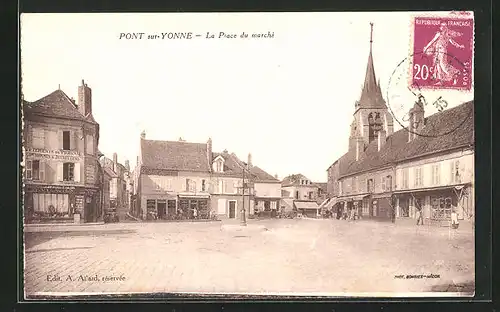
{"type": "Point", "coordinates": [443, 50]}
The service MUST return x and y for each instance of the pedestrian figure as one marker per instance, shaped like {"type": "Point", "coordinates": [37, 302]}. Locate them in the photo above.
{"type": "Point", "coordinates": [420, 217]}
{"type": "Point", "coordinates": [195, 213]}
{"type": "Point", "coordinates": [454, 219]}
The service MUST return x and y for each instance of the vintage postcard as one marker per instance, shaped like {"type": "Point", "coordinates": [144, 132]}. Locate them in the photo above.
{"type": "Point", "coordinates": [262, 154]}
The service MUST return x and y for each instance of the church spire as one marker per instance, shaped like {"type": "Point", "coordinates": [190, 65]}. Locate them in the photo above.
{"type": "Point", "coordinates": [371, 95]}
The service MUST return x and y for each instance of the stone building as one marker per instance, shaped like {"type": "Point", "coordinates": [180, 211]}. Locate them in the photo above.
{"type": "Point", "coordinates": [62, 180]}
{"type": "Point", "coordinates": [175, 178]}
{"type": "Point", "coordinates": [119, 176]}
{"type": "Point", "coordinates": [388, 175]}
{"type": "Point", "coordinates": [301, 194]}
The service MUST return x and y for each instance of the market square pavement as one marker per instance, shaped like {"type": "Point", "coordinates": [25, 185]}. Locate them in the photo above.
{"type": "Point", "coordinates": [298, 256]}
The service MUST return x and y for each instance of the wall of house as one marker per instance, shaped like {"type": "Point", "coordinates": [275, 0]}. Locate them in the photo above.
{"type": "Point", "coordinates": [444, 162]}
{"type": "Point", "coordinates": [47, 147]}
{"type": "Point", "coordinates": [432, 178]}
{"type": "Point", "coordinates": [220, 205]}
{"type": "Point", "coordinates": [332, 180]}
{"type": "Point", "coordinates": [358, 184]}
{"type": "Point", "coordinates": [303, 190]}
{"type": "Point", "coordinates": [267, 189]}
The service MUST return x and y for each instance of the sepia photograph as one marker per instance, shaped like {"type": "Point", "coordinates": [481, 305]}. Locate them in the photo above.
{"type": "Point", "coordinates": [326, 154]}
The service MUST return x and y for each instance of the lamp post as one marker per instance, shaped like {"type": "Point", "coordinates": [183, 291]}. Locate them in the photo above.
{"type": "Point", "coordinates": [243, 217]}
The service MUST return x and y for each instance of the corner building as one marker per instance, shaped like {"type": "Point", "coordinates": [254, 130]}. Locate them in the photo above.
{"type": "Point", "coordinates": [62, 181]}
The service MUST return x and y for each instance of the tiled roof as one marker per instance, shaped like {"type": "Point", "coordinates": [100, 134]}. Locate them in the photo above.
{"type": "Point", "coordinates": [174, 155]}
{"type": "Point", "coordinates": [321, 185]}
{"type": "Point", "coordinates": [233, 164]}
{"type": "Point", "coordinates": [456, 124]}
{"type": "Point", "coordinates": [293, 179]}
{"type": "Point", "coordinates": [56, 104]}
{"type": "Point", "coordinates": [261, 175]}
{"type": "Point", "coordinates": [110, 172]}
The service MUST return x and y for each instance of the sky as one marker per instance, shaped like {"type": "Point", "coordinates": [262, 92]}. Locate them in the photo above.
{"type": "Point", "coordinates": [288, 100]}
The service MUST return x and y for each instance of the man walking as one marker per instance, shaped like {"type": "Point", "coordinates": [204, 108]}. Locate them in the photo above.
{"type": "Point", "coordinates": [420, 217]}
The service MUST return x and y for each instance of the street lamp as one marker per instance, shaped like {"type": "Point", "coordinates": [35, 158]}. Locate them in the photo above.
{"type": "Point", "coordinates": [243, 217]}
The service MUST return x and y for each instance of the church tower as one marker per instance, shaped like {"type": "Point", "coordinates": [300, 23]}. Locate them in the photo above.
{"type": "Point", "coordinates": [371, 116]}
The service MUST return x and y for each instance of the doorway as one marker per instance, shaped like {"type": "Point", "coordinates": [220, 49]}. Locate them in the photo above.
{"type": "Point", "coordinates": [171, 208]}
{"type": "Point", "coordinates": [162, 208]}
{"type": "Point", "coordinates": [232, 209]}
{"type": "Point", "coordinates": [89, 209]}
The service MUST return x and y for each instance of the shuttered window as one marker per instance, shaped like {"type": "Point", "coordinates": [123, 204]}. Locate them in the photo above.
{"type": "Point", "coordinates": [38, 137]}
{"type": "Point", "coordinates": [66, 140]}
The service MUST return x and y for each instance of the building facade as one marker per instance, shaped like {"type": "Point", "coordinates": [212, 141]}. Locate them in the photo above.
{"type": "Point", "coordinates": [302, 195]}
{"type": "Point", "coordinates": [62, 180]}
{"type": "Point", "coordinates": [388, 175]}
{"type": "Point", "coordinates": [119, 178]}
{"type": "Point", "coordinates": [178, 179]}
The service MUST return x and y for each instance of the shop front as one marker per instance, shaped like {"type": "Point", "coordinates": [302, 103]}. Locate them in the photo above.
{"type": "Point", "coordinates": [382, 207]}
{"type": "Point", "coordinates": [308, 209]}
{"type": "Point", "coordinates": [266, 207]}
{"type": "Point", "coordinates": [436, 204]}
{"type": "Point", "coordinates": [194, 206]}
{"type": "Point", "coordinates": [61, 204]}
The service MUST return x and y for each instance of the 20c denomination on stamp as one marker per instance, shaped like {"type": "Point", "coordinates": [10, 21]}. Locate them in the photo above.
{"type": "Point", "coordinates": [443, 49]}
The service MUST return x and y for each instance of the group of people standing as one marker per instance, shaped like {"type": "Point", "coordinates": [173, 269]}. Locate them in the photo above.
{"type": "Point", "coordinates": [349, 213]}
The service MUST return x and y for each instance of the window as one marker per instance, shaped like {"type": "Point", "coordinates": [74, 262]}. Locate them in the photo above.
{"type": "Point", "coordinates": [340, 188]}
{"type": "Point", "coordinates": [404, 207]}
{"type": "Point", "coordinates": [66, 140]}
{"type": "Point", "coordinates": [68, 172]}
{"type": "Point", "coordinates": [354, 184]}
{"type": "Point", "coordinates": [296, 194]}
{"type": "Point", "coordinates": [310, 195]}
{"type": "Point", "coordinates": [370, 185]}
{"type": "Point", "coordinates": [436, 174]}
{"type": "Point", "coordinates": [388, 183]}
{"type": "Point", "coordinates": [382, 182]}
{"type": "Point", "coordinates": [441, 208]}
{"type": "Point", "coordinates": [418, 176]}
{"type": "Point", "coordinates": [35, 170]}
{"type": "Point", "coordinates": [366, 207]}
{"type": "Point", "coordinates": [38, 136]}
{"type": "Point", "coordinates": [229, 188]}
{"type": "Point", "coordinates": [219, 166]}
{"type": "Point", "coordinates": [51, 203]}
{"type": "Point", "coordinates": [273, 205]}
{"type": "Point", "coordinates": [151, 205]}
{"type": "Point", "coordinates": [455, 172]}
{"type": "Point", "coordinates": [404, 177]}
{"type": "Point", "coordinates": [203, 186]}
{"type": "Point", "coordinates": [90, 144]}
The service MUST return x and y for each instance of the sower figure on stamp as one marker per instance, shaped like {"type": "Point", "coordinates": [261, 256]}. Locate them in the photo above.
{"type": "Point", "coordinates": [438, 48]}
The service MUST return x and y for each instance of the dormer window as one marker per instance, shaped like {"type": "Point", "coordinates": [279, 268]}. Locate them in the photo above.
{"type": "Point", "coordinates": [218, 164]}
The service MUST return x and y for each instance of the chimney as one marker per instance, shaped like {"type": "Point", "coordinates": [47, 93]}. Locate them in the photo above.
{"type": "Point", "coordinates": [276, 176]}
{"type": "Point", "coordinates": [143, 134]}
{"type": "Point", "coordinates": [127, 165]}
{"type": "Point", "coordinates": [209, 153]}
{"type": "Point", "coordinates": [84, 99]}
{"type": "Point", "coordinates": [416, 120]}
{"type": "Point", "coordinates": [382, 137]}
{"type": "Point", "coordinates": [249, 161]}
{"type": "Point", "coordinates": [360, 148]}
{"type": "Point", "coordinates": [115, 162]}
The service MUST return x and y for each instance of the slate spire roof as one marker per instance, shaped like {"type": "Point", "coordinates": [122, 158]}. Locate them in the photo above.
{"type": "Point", "coordinates": [371, 94]}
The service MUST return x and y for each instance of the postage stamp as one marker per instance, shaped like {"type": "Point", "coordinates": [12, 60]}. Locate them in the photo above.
{"type": "Point", "coordinates": [443, 49]}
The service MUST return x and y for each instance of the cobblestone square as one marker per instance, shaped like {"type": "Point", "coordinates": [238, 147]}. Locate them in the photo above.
{"type": "Point", "coordinates": [288, 257]}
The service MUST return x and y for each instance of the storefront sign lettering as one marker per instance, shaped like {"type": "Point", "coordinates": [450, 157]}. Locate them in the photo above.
{"type": "Point", "coordinates": [55, 157]}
